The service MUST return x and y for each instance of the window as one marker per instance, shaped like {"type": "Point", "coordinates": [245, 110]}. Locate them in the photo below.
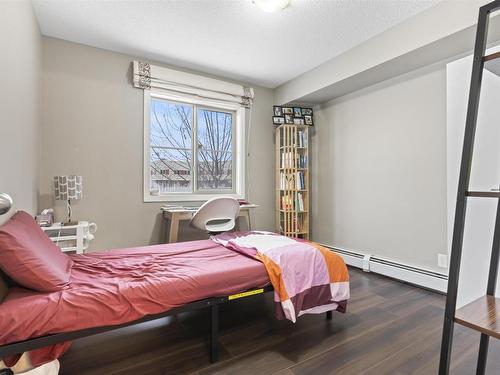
{"type": "Point", "coordinates": [193, 149]}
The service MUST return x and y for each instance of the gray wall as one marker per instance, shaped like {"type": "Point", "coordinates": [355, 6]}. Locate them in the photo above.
{"type": "Point", "coordinates": [379, 170]}
{"type": "Point", "coordinates": [20, 43]}
{"type": "Point", "coordinates": [92, 125]}
{"type": "Point", "coordinates": [379, 155]}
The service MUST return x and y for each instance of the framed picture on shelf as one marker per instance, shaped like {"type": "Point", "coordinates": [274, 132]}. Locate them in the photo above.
{"type": "Point", "coordinates": [278, 120]}
{"type": "Point", "coordinates": [288, 119]}
{"type": "Point", "coordinates": [308, 120]}
{"type": "Point", "coordinates": [287, 111]}
{"type": "Point", "coordinates": [297, 111]}
{"type": "Point", "coordinates": [298, 121]}
{"type": "Point", "coordinates": [278, 110]}
{"type": "Point", "coordinates": [307, 111]}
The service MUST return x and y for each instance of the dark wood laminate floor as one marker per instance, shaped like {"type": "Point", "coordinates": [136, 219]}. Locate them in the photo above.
{"type": "Point", "coordinates": [390, 328]}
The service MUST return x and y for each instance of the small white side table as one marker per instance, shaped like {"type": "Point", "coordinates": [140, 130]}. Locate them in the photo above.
{"type": "Point", "coordinates": [72, 238]}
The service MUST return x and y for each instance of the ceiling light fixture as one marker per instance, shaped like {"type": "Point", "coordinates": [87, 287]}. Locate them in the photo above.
{"type": "Point", "coordinates": [271, 6]}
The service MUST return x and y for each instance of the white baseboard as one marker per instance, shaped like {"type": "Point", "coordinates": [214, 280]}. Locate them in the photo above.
{"type": "Point", "coordinates": [412, 275]}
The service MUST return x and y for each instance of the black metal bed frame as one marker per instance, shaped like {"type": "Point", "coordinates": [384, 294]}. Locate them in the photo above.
{"type": "Point", "coordinates": [212, 303]}
{"type": "Point", "coordinates": [461, 203]}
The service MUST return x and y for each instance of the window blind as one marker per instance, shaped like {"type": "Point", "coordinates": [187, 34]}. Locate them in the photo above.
{"type": "Point", "coordinates": [147, 76]}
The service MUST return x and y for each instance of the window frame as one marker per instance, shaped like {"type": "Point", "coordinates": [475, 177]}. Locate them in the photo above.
{"type": "Point", "coordinates": [238, 149]}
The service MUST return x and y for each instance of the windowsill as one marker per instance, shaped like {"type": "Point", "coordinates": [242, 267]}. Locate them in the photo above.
{"type": "Point", "coordinates": [188, 197]}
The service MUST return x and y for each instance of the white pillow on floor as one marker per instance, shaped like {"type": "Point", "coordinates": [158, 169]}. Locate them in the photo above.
{"type": "Point", "coordinates": [51, 368]}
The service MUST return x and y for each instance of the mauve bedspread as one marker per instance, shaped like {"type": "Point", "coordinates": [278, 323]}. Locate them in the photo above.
{"type": "Point", "coordinates": [117, 286]}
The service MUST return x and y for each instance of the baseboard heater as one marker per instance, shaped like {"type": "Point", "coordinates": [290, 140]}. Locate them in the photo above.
{"type": "Point", "coordinates": [413, 275]}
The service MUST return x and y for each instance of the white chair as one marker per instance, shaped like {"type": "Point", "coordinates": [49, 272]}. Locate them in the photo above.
{"type": "Point", "coordinates": [216, 215]}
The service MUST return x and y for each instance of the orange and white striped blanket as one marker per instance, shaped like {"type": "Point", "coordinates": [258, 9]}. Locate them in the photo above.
{"type": "Point", "coordinates": [307, 278]}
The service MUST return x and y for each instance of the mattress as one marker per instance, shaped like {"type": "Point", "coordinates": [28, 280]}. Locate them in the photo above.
{"type": "Point", "coordinates": [122, 285]}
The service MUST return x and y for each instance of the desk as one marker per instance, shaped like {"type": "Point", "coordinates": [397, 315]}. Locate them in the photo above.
{"type": "Point", "coordinates": [175, 215]}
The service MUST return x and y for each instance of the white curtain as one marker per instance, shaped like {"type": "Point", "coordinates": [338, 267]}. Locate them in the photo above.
{"type": "Point", "coordinates": [147, 76]}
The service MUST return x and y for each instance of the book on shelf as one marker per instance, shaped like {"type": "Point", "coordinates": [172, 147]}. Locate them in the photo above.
{"type": "Point", "coordinates": [300, 181]}
{"type": "Point", "coordinates": [300, 202]}
{"type": "Point", "coordinates": [302, 138]}
{"type": "Point", "coordinates": [289, 161]}
{"type": "Point", "coordinates": [294, 181]}
{"type": "Point", "coordinates": [287, 181]}
{"type": "Point", "coordinates": [301, 161]}
{"type": "Point", "coordinates": [291, 202]}
{"type": "Point", "coordinates": [287, 202]}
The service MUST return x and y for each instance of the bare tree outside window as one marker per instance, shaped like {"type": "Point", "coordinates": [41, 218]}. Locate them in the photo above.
{"type": "Point", "coordinates": [215, 152]}
{"type": "Point", "coordinates": [171, 143]}
{"type": "Point", "coordinates": [172, 130]}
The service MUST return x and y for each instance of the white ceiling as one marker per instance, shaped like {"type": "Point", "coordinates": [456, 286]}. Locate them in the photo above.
{"type": "Point", "coordinates": [230, 38]}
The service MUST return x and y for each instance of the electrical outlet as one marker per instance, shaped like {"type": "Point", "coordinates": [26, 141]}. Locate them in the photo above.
{"type": "Point", "coordinates": [443, 260]}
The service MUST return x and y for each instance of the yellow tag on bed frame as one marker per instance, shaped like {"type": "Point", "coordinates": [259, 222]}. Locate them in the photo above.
{"type": "Point", "coordinates": [246, 294]}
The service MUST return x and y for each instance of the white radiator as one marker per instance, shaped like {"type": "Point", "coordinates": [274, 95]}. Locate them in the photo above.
{"type": "Point", "coordinates": [409, 274]}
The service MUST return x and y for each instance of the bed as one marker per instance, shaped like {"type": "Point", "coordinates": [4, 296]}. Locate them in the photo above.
{"type": "Point", "coordinates": [116, 288]}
